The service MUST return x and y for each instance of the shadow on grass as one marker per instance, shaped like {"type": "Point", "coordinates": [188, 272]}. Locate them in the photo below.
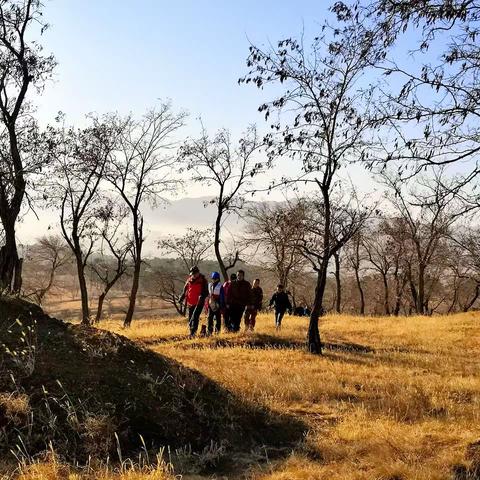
{"type": "Point", "coordinates": [95, 393]}
{"type": "Point", "coordinates": [254, 341]}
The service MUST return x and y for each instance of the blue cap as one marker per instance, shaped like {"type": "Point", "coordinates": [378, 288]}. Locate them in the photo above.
{"type": "Point", "coordinates": [215, 276]}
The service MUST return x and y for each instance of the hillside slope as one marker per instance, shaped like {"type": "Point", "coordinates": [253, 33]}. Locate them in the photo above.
{"type": "Point", "coordinates": [88, 392]}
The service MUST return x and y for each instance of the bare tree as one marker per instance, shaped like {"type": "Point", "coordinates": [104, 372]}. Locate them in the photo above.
{"type": "Point", "coordinates": [355, 258]}
{"type": "Point", "coordinates": [115, 249]}
{"type": "Point", "coordinates": [401, 256]}
{"type": "Point", "coordinates": [142, 171]}
{"type": "Point", "coordinates": [190, 248]}
{"type": "Point", "coordinates": [429, 104]}
{"type": "Point", "coordinates": [327, 118]}
{"type": "Point", "coordinates": [167, 284]}
{"type": "Point", "coordinates": [378, 248]}
{"type": "Point", "coordinates": [80, 161]}
{"type": "Point", "coordinates": [22, 66]}
{"type": "Point", "coordinates": [345, 219]}
{"type": "Point", "coordinates": [466, 263]}
{"type": "Point", "coordinates": [274, 230]}
{"type": "Point", "coordinates": [50, 254]}
{"type": "Point", "coordinates": [427, 217]}
{"type": "Point", "coordinates": [216, 161]}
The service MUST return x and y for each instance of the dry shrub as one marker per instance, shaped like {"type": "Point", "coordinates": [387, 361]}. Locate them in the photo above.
{"type": "Point", "coordinates": [14, 408]}
{"type": "Point", "coordinates": [99, 434]}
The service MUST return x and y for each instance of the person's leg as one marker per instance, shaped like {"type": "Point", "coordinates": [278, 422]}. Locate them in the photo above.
{"type": "Point", "coordinates": [280, 315]}
{"type": "Point", "coordinates": [236, 317]}
{"type": "Point", "coordinates": [247, 318]}
{"type": "Point", "coordinates": [226, 319]}
{"type": "Point", "coordinates": [191, 310]}
{"type": "Point", "coordinates": [190, 317]}
{"type": "Point", "coordinates": [210, 321]}
{"type": "Point", "coordinates": [233, 317]}
{"type": "Point", "coordinates": [253, 317]}
{"type": "Point", "coordinates": [195, 318]}
{"type": "Point", "coordinates": [239, 318]}
{"type": "Point", "coordinates": [218, 321]}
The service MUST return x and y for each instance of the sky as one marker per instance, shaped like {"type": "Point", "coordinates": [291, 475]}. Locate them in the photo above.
{"type": "Point", "coordinates": [124, 55]}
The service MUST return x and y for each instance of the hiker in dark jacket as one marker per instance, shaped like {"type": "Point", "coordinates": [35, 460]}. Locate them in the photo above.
{"type": "Point", "coordinates": [240, 292]}
{"type": "Point", "coordinates": [255, 304]}
{"type": "Point", "coordinates": [281, 303]}
{"type": "Point", "coordinates": [227, 288]}
{"type": "Point", "coordinates": [195, 292]}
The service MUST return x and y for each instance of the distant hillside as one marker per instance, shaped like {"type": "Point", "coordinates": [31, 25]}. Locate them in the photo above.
{"type": "Point", "coordinates": [173, 217]}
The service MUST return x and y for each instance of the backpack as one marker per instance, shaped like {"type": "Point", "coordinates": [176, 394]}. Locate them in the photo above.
{"type": "Point", "coordinates": [214, 290]}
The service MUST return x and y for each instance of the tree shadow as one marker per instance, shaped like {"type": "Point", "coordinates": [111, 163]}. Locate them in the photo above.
{"type": "Point", "coordinates": [256, 341]}
{"type": "Point", "coordinates": [348, 347]}
{"type": "Point", "coordinates": [93, 392]}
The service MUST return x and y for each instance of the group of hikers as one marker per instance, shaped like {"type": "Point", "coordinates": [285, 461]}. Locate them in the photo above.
{"type": "Point", "coordinates": [233, 300]}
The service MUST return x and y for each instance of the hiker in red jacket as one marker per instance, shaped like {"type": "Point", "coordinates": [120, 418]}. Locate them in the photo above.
{"type": "Point", "coordinates": [195, 292]}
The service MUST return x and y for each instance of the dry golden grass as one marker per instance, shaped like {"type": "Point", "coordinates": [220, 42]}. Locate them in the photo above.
{"type": "Point", "coordinates": [54, 471]}
{"type": "Point", "coordinates": [391, 398]}
{"type": "Point", "coordinates": [62, 306]}
{"type": "Point", "coordinates": [50, 468]}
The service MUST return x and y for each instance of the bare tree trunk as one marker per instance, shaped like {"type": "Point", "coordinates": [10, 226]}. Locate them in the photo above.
{"type": "Point", "coordinates": [386, 294]}
{"type": "Point", "coordinates": [314, 343]}
{"type": "Point", "coordinates": [216, 243]}
{"type": "Point", "coordinates": [138, 234]}
{"type": "Point", "coordinates": [82, 283]}
{"type": "Point", "coordinates": [398, 304]}
{"type": "Point", "coordinates": [469, 305]}
{"type": "Point", "coordinates": [43, 292]}
{"type": "Point", "coordinates": [338, 283]}
{"type": "Point", "coordinates": [421, 290]}
{"type": "Point", "coordinates": [133, 294]}
{"type": "Point", "coordinates": [455, 295]}
{"type": "Point", "coordinates": [10, 266]}
{"type": "Point", "coordinates": [413, 291]}
{"type": "Point", "coordinates": [313, 336]}
{"type": "Point", "coordinates": [360, 291]}
{"type": "Point", "coordinates": [17, 278]}
{"type": "Point", "coordinates": [399, 288]}
{"type": "Point", "coordinates": [101, 299]}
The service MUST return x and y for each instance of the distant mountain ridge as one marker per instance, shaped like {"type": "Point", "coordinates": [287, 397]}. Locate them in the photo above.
{"type": "Point", "coordinates": [171, 218]}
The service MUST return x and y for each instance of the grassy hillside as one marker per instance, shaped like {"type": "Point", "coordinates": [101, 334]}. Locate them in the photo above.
{"type": "Point", "coordinates": [391, 398]}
